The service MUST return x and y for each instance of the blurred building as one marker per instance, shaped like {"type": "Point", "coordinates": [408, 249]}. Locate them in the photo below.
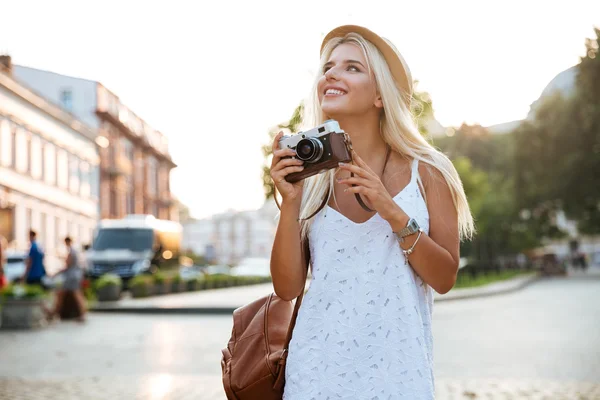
{"type": "Point", "coordinates": [49, 170]}
{"type": "Point", "coordinates": [229, 237]}
{"type": "Point", "coordinates": [135, 163]}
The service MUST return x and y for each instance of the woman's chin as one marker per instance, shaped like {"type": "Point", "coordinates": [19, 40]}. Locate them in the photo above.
{"type": "Point", "coordinates": [334, 112]}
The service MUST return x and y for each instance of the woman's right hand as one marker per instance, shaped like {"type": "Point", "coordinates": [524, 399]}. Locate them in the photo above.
{"type": "Point", "coordinates": [281, 167]}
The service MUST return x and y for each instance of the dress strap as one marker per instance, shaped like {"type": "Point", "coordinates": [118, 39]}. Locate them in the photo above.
{"type": "Point", "coordinates": [414, 171]}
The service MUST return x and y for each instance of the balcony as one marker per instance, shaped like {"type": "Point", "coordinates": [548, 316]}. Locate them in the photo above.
{"type": "Point", "coordinates": [120, 166]}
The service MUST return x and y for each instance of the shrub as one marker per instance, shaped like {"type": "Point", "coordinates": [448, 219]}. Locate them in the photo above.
{"type": "Point", "coordinates": [141, 286]}
{"type": "Point", "coordinates": [160, 277]}
{"type": "Point", "coordinates": [22, 292]}
{"type": "Point", "coordinates": [108, 280]}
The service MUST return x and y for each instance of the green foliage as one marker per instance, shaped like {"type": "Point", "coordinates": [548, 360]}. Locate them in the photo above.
{"type": "Point", "coordinates": [292, 126]}
{"type": "Point", "coordinates": [422, 109]}
{"type": "Point", "coordinates": [558, 153]}
{"type": "Point", "coordinates": [160, 277]}
{"type": "Point", "coordinates": [466, 281]}
{"type": "Point", "coordinates": [108, 280]}
{"type": "Point", "coordinates": [141, 280]}
{"type": "Point", "coordinates": [22, 292]}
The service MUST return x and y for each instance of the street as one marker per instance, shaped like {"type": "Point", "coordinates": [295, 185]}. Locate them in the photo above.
{"type": "Point", "coordinates": [542, 342]}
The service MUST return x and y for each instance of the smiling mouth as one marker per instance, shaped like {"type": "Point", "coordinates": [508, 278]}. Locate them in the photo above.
{"type": "Point", "coordinates": [334, 92]}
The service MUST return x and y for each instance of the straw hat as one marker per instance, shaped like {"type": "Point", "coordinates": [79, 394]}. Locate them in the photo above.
{"type": "Point", "coordinates": [394, 59]}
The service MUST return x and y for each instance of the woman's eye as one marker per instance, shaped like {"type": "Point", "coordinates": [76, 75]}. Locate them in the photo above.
{"type": "Point", "coordinates": [353, 68]}
{"type": "Point", "coordinates": [325, 69]}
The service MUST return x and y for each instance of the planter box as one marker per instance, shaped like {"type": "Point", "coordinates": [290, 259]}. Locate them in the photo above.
{"type": "Point", "coordinates": [141, 291]}
{"type": "Point", "coordinates": [109, 293]}
{"type": "Point", "coordinates": [23, 313]}
{"type": "Point", "coordinates": [177, 287]}
{"type": "Point", "coordinates": [192, 285]}
{"type": "Point", "coordinates": [162, 288]}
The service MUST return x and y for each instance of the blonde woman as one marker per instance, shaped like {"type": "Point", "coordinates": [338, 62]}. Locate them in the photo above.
{"type": "Point", "coordinates": [364, 327]}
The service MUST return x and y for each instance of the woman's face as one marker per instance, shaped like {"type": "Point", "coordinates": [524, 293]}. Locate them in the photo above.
{"type": "Point", "coordinates": [347, 87]}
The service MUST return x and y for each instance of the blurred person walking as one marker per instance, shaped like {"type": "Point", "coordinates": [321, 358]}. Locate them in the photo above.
{"type": "Point", "coordinates": [70, 302]}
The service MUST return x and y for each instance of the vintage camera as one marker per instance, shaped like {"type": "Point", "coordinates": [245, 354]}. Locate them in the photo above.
{"type": "Point", "coordinates": [321, 149]}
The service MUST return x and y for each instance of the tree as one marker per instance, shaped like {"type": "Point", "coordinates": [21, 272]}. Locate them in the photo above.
{"type": "Point", "coordinates": [558, 153]}
{"type": "Point", "coordinates": [291, 126]}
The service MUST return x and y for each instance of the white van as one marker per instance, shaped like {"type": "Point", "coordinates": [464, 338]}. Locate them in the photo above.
{"type": "Point", "coordinates": [133, 245]}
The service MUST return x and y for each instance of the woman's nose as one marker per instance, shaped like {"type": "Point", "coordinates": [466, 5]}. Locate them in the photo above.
{"type": "Point", "coordinates": [331, 74]}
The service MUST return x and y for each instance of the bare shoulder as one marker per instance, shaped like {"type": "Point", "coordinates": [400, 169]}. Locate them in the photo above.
{"type": "Point", "coordinates": [434, 183]}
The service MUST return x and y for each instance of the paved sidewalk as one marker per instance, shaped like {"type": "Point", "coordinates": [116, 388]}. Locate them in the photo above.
{"type": "Point", "coordinates": [193, 387]}
{"type": "Point", "coordinates": [225, 300]}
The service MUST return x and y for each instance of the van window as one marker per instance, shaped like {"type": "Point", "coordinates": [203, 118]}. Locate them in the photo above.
{"type": "Point", "coordinates": [124, 239]}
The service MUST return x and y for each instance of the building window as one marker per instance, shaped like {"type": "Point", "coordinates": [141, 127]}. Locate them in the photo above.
{"type": "Point", "coordinates": [127, 149]}
{"type": "Point", "coordinates": [36, 157]}
{"type": "Point", "coordinates": [57, 238]}
{"type": "Point", "coordinates": [5, 143]}
{"type": "Point", "coordinates": [85, 179]}
{"type": "Point", "coordinates": [41, 237]}
{"type": "Point", "coordinates": [113, 203]}
{"type": "Point", "coordinates": [95, 181]}
{"type": "Point", "coordinates": [22, 151]}
{"type": "Point", "coordinates": [129, 196]}
{"type": "Point", "coordinates": [49, 164]}
{"type": "Point", "coordinates": [66, 99]}
{"type": "Point", "coordinates": [151, 176]}
{"type": "Point", "coordinates": [74, 177]}
{"type": "Point", "coordinates": [62, 169]}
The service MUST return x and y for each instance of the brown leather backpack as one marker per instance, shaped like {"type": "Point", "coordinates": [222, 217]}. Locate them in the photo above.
{"type": "Point", "coordinates": [253, 363]}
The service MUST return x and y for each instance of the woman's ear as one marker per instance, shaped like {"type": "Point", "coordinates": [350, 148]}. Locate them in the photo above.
{"type": "Point", "coordinates": [378, 102]}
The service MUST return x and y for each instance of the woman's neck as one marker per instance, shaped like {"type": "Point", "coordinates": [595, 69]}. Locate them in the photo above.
{"type": "Point", "coordinates": [366, 139]}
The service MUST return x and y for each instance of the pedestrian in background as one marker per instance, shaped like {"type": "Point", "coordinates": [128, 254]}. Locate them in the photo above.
{"type": "Point", "coordinates": [2, 261]}
{"type": "Point", "coordinates": [69, 300]}
{"type": "Point", "coordinates": [35, 270]}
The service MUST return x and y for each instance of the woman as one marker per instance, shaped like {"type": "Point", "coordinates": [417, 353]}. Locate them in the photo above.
{"type": "Point", "coordinates": [70, 302]}
{"type": "Point", "coordinates": [364, 327]}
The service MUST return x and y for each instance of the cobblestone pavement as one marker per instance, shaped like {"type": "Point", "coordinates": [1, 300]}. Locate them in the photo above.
{"type": "Point", "coordinates": [539, 343]}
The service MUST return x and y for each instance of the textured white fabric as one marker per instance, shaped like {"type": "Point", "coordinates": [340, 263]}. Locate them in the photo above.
{"type": "Point", "coordinates": [364, 327]}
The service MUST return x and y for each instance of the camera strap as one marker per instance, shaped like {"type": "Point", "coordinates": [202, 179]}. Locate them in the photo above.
{"type": "Point", "coordinates": [358, 198]}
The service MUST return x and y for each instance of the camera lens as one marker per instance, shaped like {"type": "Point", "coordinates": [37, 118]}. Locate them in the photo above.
{"type": "Point", "coordinates": [309, 150]}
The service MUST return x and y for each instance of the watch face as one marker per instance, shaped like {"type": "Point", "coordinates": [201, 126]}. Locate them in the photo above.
{"type": "Point", "coordinates": [413, 225]}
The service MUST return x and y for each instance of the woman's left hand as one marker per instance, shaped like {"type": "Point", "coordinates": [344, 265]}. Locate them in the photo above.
{"type": "Point", "coordinates": [369, 185]}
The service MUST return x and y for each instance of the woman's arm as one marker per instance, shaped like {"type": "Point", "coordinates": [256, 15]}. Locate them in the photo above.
{"type": "Point", "coordinates": [288, 265]}
{"type": "Point", "coordinates": [436, 256]}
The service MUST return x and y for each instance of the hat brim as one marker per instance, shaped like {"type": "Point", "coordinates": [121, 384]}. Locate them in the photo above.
{"type": "Point", "coordinates": [396, 63]}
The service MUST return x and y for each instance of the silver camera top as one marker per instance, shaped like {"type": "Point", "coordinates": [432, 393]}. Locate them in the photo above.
{"type": "Point", "coordinates": [291, 141]}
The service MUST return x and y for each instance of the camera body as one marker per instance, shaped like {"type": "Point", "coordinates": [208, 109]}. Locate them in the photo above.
{"type": "Point", "coordinates": [321, 149]}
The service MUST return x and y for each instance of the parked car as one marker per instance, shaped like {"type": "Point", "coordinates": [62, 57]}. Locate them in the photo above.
{"type": "Point", "coordinates": [15, 265]}
{"type": "Point", "coordinates": [252, 267]}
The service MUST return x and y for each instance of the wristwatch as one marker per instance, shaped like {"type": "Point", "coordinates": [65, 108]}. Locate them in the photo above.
{"type": "Point", "coordinates": [411, 228]}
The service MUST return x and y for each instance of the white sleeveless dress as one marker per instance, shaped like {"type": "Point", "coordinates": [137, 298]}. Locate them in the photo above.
{"type": "Point", "coordinates": [364, 327]}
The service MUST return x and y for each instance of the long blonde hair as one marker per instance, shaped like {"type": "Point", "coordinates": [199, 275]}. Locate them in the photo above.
{"type": "Point", "coordinates": [398, 129]}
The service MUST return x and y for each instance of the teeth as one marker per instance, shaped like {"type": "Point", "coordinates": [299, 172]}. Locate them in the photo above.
{"type": "Point", "coordinates": [334, 91]}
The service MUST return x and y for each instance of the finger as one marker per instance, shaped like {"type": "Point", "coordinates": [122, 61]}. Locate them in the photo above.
{"type": "Point", "coordinates": [360, 190]}
{"type": "Point", "coordinates": [279, 177]}
{"type": "Point", "coordinates": [357, 181]}
{"type": "Point", "coordinates": [279, 154]}
{"type": "Point", "coordinates": [275, 145]}
{"type": "Point", "coordinates": [360, 162]}
{"type": "Point", "coordinates": [284, 153]}
{"type": "Point", "coordinates": [287, 162]}
{"type": "Point", "coordinates": [356, 169]}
